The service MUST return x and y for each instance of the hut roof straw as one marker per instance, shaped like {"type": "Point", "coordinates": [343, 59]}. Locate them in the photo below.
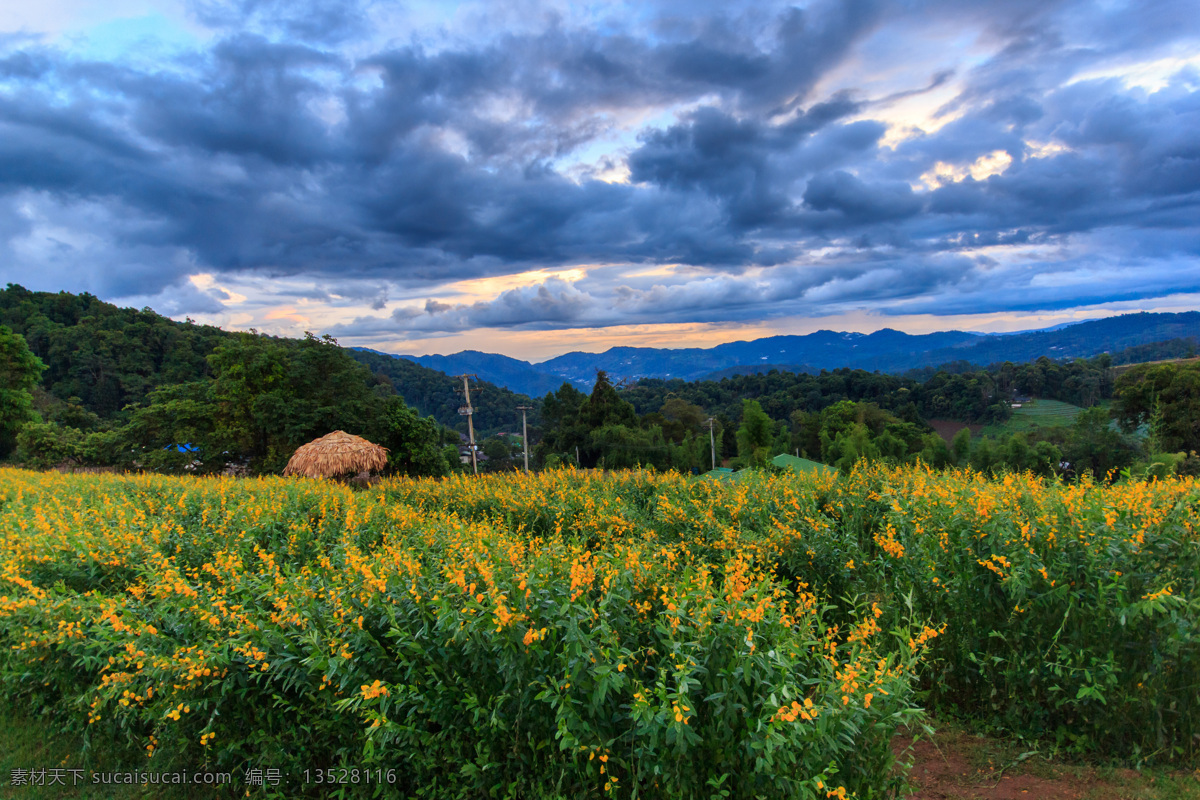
{"type": "Point", "coordinates": [334, 454]}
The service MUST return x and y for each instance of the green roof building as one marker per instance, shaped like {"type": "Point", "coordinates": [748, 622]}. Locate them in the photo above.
{"type": "Point", "coordinates": [802, 465]}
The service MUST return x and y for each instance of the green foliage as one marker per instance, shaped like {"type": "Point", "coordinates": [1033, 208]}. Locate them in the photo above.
{"type": "Point", "coordinates": [849, 446]}
{"type": "Point", "coordinates": [1071, 612]}
{"type": "Point", "coordinates": [1094, 446]}
{"type": "Point", "coordinates": [269, 397]}
{"type": "Point", "coordinates": [1182, 347]}
{"type": "Point", "coordinates": [415, 628]}
{"type": "Point", "coordinates": [416, 445]}
{"type": "Point", "coordinates": [43, 445]}
{"type": "Point", "coordinates": [681, 418]}
{"type": "Point", "coordinates": [623, 447]}
{"type": "Point", "coordinates": [101, 357]}
{"type": "Point", "coordinates": [1165, 397]}
{"type": "Point", "coordinates": [126, 385]}
{"type": "Point", "coordinates": [19, 373]}
{"type": "Point", "coordinates": [564, 431]}
{"type": "Point", "coordinates": [960, 446]}
{"type": "Point", "coordinates": [605, 406]}
{"type": "Point", "coordinates": [755, 435]}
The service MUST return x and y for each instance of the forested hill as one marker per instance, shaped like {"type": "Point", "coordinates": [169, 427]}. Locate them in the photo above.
{"type": "Point", "coordinates": [439, 395]}
{"type": "Point", "coordinates": [101, 359]}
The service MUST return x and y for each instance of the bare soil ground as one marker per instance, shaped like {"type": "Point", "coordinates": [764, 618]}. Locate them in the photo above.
{"type": "Point", "coordinates": [957, 765]}
{"type": "Point", "coordinates": [946, 428]}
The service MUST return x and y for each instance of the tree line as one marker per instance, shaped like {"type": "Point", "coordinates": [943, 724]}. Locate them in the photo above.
{"type": "Point", "coordinates": [88, 383]}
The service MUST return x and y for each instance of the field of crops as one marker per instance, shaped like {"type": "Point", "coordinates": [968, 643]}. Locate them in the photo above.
{"type": "Point", "coordinates": [584, 634]}
{"type": "Point", "coordinates": [1036, 414]}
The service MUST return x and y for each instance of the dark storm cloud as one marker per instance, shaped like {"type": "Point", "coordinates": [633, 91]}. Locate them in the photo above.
{"type": "Point", "coordinates": [293, 145]}
{"type": "Point", "coordinates": [859, 202]}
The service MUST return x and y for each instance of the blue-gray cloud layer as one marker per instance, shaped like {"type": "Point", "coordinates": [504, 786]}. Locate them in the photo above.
{"type": "Point", "coordinates": [297, 144]}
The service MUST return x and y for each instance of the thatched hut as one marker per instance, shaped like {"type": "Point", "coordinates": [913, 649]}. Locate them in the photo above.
{"type": "Point", "coordinates": [337, 453]}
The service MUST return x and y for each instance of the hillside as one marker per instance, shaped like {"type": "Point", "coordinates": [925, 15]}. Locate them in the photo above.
{"type": "Point", "coordinates": [436, 394]}
{"type": "Point", "coordinates": [103, 360]}
{"type": "Point", "coordinates": [511, 373]}
{"type": "Point", "coordinates": [1084, 340]}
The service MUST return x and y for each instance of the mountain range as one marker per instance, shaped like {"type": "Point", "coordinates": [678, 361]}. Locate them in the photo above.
{"type": "Point", "coordinates": [884, 350]}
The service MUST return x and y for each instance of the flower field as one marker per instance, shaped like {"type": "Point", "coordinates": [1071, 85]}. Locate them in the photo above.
{"type": "Point", "coordinates": [585, 634]}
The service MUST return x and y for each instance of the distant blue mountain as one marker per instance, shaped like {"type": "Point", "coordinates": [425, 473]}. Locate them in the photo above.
{"type": "Point", "coordinates": [820, 350]}
{"type": "Point", "coordinates": [511, 373]}
{"type": "Point", "coordinates": [884, 350]}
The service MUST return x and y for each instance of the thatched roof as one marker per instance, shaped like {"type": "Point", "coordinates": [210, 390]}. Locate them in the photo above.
{"type": "Point", "coordinates": [336, 453]}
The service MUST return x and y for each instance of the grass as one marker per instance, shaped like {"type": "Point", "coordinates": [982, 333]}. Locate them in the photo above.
{"type": "Point", "coordinates": [31, 744]}
{"type": "Point", "coordinates": [1036, 414]}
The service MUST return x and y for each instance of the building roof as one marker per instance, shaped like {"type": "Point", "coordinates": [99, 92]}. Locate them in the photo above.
{"type": "Point", "coordinates": [802, 464]}
{"type": "Point", "coordinates": [336, 453]}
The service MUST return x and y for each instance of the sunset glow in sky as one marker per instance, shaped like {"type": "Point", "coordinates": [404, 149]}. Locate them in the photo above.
{"type": "Point", "coordinates": [534, 177]}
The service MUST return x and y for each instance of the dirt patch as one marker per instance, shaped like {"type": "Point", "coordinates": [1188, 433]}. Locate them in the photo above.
{"type": "Point", "coordinates": [943, 772]}
{"type": "Point", "coordinates": [955, 765]}
{"type": "Point", "coordinates": [947, 428]}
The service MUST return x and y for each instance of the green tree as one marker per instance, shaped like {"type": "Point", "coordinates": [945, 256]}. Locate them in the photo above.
{"type": "Point", "coordinates": [960, 447]}
{"type": "Point", "coordinates": [693, 454]}
{"type": "Point", "coordinates": [934, 452]}
{"type": "Point", "coordinates": [681, 418]}
{"type": "Point", "coordinates": [1094, 446]}
{"type": "Point", "coordinates": [806, 433]}
{"type": "Point", "coordinates": [415, 444]}
{"type": "Point", "coordinates": [563, 429]}
{"type": "Point", "coordinates": [755, 435]}
{"type": "Point", "coordinates": [850, 446]}
{"type": "Point", "coordinates": [605, 406]}
{"type": "Point", "coordinates": [271, 396]}
{"type": "Point", "coordinates": [625, 447]}
{"type": "Point", "coordinates": [180, 414]}
{"type": "Point", "coordinates": [1165, 397]}
{"type": "Point", "coordinates": [20, 371]}
{"type": "Point", "coordinates": [42, 445]}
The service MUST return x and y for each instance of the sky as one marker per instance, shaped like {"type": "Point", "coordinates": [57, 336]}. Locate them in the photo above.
{"type": "Point", "coordinates": [531, 177]}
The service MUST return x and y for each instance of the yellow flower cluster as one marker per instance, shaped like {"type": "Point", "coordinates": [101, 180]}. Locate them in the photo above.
{"type": "Point", "coordinates": [371, 691]}
{"type": "Point", "coordinates": [151, 594]}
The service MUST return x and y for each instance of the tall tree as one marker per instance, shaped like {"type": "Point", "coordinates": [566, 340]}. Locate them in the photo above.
{"type": "Point", "coordinates": [20, 371]}
{"type": "Point", "coordinates": [605, 406]}
{"type": "Point", "coordinates": [755, 435]}
{"type": "Point", "coordinates": [1167, 398]}
{"type": "Point", "coordinates": [563, 430]}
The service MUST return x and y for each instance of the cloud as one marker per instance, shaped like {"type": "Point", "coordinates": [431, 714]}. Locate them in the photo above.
{"type": "Point", "coordinates": [182, 299]}
{"type": "Point", "coordinates": [767, 162]}
{"type": "Point", "coordinates": [859, 203]}
{"type": "Point", "coordinates": [316, 21]}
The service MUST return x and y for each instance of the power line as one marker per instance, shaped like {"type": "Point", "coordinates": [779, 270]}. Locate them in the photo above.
{"type": "Point", "coordinates": [712, 442]}
{"type": "Point", "coordinates": [525, 435]}
{"type": "Point", "coordinates": [469, 412]}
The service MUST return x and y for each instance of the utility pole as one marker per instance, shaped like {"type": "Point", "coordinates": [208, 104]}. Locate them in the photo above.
{"type": "Point", "coordinates": [712, 442]}
{"type": "Point", "coordinates": [525, 435]}
{"type": "Point", "coordinates": [468, 412]}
